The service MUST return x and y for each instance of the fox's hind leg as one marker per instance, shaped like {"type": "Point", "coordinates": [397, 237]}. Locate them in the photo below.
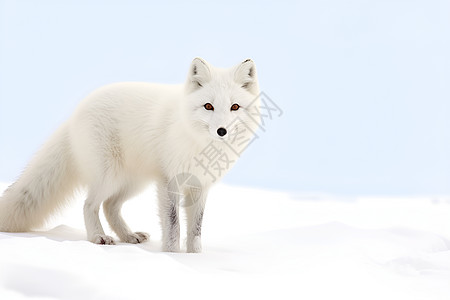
{"type": "Point", "coordinates": [94, 228]}
{"type": "Point", "coordinates": [111, 208]}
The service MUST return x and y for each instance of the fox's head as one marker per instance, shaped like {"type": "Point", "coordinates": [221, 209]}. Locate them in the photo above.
{"type": "Point", "coordinates": [222, 103]}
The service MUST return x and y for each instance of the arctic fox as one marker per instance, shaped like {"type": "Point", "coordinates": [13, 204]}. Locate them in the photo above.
{"type": "Point", "coordinates": [126, 135]}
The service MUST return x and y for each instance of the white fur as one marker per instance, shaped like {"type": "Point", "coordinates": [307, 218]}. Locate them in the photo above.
{"type": "Point", "coordinates": [125, 135]}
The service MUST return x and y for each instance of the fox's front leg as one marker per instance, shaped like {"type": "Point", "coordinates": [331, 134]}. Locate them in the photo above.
{"type": "Point", "coordinates": [168, 213]}
{"type": "Point", "coordinates": [195, 207]}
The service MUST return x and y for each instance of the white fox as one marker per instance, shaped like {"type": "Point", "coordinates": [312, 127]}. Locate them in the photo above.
{"type": "Point", "coordinates": [125, 135]}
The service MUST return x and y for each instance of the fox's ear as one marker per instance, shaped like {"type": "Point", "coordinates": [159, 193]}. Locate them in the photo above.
{"type": "Point", "coordinates": [199, 74]}
{"type": "Point", "coordinates": [245, 75]}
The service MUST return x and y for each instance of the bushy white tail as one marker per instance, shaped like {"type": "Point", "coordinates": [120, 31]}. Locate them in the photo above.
{"type": "Point", "coordinates": [44, 186]}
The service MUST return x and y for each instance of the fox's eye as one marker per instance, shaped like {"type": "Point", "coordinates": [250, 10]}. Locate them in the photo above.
{"type": "Point", "coordinates": [235, 106]}
{"type": "Point", "coordinates": [208, 106]}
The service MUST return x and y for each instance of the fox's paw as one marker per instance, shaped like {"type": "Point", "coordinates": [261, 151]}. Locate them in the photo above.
{"type": "Point", "coordinates": [136, 238]}
{"type": "Point", "coordinates": [102, 239]}
{"type": "Point", "coordinates": [171, 246]}
{"type": "Point", "coordinates": [194, 245]}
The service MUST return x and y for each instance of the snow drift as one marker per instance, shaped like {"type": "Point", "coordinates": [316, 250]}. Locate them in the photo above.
{"type": "Point", "coordinates": [256, 244]}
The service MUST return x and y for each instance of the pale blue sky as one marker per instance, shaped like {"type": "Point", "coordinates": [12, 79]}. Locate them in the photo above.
{"type": "Point", "coordinates": [364, 85]}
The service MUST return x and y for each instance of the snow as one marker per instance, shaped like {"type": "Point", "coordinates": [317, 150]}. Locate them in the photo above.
{"type": "Point", "coordinates": [256, 244]}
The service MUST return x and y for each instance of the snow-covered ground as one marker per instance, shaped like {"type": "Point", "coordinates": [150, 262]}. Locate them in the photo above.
{"type": "Point", "coordinates": [256, 244]}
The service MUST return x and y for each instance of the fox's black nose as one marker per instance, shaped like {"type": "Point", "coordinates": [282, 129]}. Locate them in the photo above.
{"type": "Point", "coordinates": [221, 131]}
